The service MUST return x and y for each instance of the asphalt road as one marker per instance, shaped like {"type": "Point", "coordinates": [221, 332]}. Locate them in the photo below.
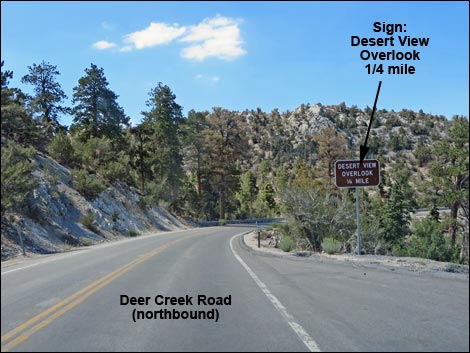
{"type": "Point", "coordinates": [72, 302]}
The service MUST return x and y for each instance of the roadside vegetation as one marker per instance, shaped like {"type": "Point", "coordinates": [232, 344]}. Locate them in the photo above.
{"type": "Point", "coordinates": [222, 164]}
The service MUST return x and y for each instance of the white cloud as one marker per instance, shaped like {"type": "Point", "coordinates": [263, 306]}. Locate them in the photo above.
{"type": "Point", "coordinates": [132, 122]}
{"type": "Point", "coordinates": [155, 34]}
{"type": "Point", "coordinates": [126, 48]}
{"type": "Point", "coordinates": [102, 45]}
{"type": "Point", "coordinates": [207, 79]}
{"type": "Point", "coordinates": [108, 26]}
{"type": "Point", "coordinates": [215, 37]}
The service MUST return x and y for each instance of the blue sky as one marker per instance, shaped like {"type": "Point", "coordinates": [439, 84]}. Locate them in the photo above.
{"type": "Point", "coordinates": [242, 55]}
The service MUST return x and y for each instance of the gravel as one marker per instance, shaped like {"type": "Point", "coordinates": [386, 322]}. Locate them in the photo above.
{"type": "Point", "coordinates": [411, 264]}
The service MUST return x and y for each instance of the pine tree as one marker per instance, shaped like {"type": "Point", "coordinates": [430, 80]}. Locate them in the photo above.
{"type": "Point", "coordinates": [226, 143]}
{"type": "Point", "coordinates": [96, 111]}
{"type": "Point", "coordinates": [17, 180]}
{"type": "Point", "coordinates": [195, 152]}
{"type": "Point", "coordinates": [17, 124]}
{"type": "Point", "coordinates": [139, 140]}
{"type": "Point", "coordinates": [247, 193]}
{"type": "Point", "coordinates": [195, 163]}
{"type": "Point", "coordinates": [61, 149]}
{"type": "Point", "coordinates": [450, 172]}
{"type": "Point", "coordinates": [331, 147]}
{"type": "Point", "coordinates": [45, 105]}
{"type": "Point", "coordinates": [396, 214]}
{"type": "Point", "coordinates": [162, 122]}
{"type": "Point", "coordinates": [265, 204]}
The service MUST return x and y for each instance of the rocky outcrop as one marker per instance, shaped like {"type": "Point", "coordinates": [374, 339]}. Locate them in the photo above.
{"type": "Point", "coordinates": [54, 222]}
{"type": "Point", "coordinates": [307, 122]}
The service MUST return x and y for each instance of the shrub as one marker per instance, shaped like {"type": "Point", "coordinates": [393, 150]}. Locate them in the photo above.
{"type": "Point", "coordinates": [157, 193]}
{"type": "Point", "coordinates": [133, 233]}
{"type": "Point", "coordinates": [423, 154]}
{"type": "Point", "coordinates": [85, 241]}
{"type": "Point", "coordinates": [276, 225]}
{"type": "Point", "coordinates": [115, 216]}
{"type": "Point", "coordinates": [428, 241]}
{"type": "Point", "coordinates": [330, 245]}
{"type": "Point", "coordinates": [61, 149]}
{"type": "Point", "coordinates": [286, 244]}
{"type": "Point", "coordinates": [268, 228]}
{"type": "Point", "coordinates": [313, 215]}
{"type": "Point", "coordinates": [115, 171]}
{"type": "Point", "coordinates": [94, 152]}
{"type": "Point", "coordinates": [53, 179]}
{"type": "Point", "coordinates": [90, 187]}
{"type": "Point", "coordinates": [17, 178]}
{"type": "Point", "coordinates": [222, 222]}
{"type": "Point", "coordinates": [284, 229]}
{"type": "Point", "coordinates": [88, 221]}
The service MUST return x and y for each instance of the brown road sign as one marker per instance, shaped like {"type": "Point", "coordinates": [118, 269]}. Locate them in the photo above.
{"type": "Point", "coordinates": [349, 174]}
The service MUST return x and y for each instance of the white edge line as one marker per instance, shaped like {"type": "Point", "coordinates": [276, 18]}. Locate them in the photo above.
{"type": "Point", "coordinates": [59, 256]}
{"type": "Point", "coordinates": [17, 269]}
{"type": "Point", "coordinates": [296, 327]}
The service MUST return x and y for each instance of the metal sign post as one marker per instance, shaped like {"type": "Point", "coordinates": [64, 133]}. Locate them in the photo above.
{"type": "Point", "coordinates": [358, 220]}
{"type": "Point", "coordinates": [21, 241]}
{"type": "Point", "coordinates": [259, 234]}
{"type": "Point", "coordinates": [354, 174]}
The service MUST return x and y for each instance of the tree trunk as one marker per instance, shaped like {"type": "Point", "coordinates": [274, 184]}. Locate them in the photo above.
{"type": "Point", "coordinates": [141, 157]}
{"type": "Point", "coordinates": [464, 253]}
{"type": "Point", "coordinates": [222, 198]}
{"type": "Point", "coordinates": [330, 172]}
{"type": "Point", "coordinates": [198, 177]}
{"type": "Point", "coordinates": [95, 116]}
{"type": "Point", "coordinates": [454, 210]}
{"type": "Point", "coordinates": [222, 204]}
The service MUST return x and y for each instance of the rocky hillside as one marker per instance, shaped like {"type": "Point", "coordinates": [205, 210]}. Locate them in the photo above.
{"type": "Point", "coordinates": [59, 218]}
{"type": "Point", "coordinates": [391, 131]}
{"type": "Point", "coordinates": [400, 140]}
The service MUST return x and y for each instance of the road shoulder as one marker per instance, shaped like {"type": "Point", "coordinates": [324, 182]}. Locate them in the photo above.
{"type": "Point", "coordinates": [410, 265]}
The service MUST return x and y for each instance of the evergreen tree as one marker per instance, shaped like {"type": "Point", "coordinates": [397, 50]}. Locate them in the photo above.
{"type": "Point", "coordinates": [226, 143]}
{"type": "Point", "coordinates": [162, 122]}
{"type": "Point", "coordinates": [61, 149]}
{"type": "Point", "coordinates": [450, 172]}
{"type": "Point", "coordinates": [331, 147]}
{"type": "Point", "coordinates": [114, 118]}
{"type": "Point", "coordinates": [96, 111]}
{"type": "Point", "coordinates": [139, 141]}
{"type": "Point", "coordinates": [304, 176]}
{"type": "Point", "coordinates": [263, 172]}
{"type": "Point", "coordinates": [17, 180]}
{"type": "Point", "coordinates": [265, 204]}
{"type": "Point", "coordinates": [396, 215]}
{"type": "Point", "coordinates": [17, 124]}
{"type": "Point", "coordinates": [428, 241]}
{"type": "Point", "coordinates": [45, 105]}
{"type": "Point", "coordinates": [200, 196]}
{"type": "Point", "coordinates": [247, 193]}
{"type": "Point", "coordinates": [195, 151]}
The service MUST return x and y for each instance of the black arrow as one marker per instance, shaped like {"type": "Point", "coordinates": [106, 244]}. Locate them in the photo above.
{"type": "Point", "coordinates": [364, 148]}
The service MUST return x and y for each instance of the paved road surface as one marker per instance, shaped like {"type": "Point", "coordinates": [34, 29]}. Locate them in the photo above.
{"type": "Point", "coordinates": [71, 302]}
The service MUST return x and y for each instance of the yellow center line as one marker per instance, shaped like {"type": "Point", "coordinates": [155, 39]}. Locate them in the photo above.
{"type": "Point", "coordinates": [73, 300]}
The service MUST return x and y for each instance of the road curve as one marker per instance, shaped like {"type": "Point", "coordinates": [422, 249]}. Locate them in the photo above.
{"type": "Point", "coordinates": [72, 302]}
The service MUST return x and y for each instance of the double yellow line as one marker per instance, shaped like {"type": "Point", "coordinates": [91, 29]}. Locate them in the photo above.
{"type": "Point", "coordinates": [21, 333]}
